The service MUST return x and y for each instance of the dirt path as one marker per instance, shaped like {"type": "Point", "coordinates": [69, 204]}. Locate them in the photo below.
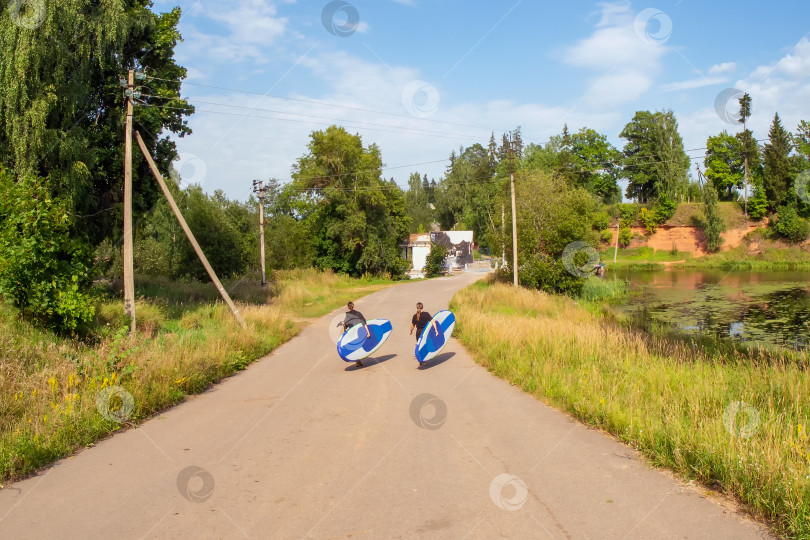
{"type": "Point", "coordinates": [303, 445]}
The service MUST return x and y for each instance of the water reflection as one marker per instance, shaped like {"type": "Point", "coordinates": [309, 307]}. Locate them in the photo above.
{"type": "Point", "coordinates": [761, 307]}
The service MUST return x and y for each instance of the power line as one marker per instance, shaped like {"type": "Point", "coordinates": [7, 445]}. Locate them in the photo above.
{"type": "Point", "coordinates": [410, 131]}
{"type": "Point", "coordinates": [194, 100]}
{"type": "Point", "coordinates": [325, 103]}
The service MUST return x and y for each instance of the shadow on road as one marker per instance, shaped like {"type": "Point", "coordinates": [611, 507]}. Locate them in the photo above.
{"type": "Point", "coordinates": [368, 362]}
{"type": "Point", "coordinates": [441, 359]}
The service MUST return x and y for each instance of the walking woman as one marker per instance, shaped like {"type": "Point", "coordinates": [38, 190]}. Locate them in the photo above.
{"type": "Point", "coordinates": [420, 320]}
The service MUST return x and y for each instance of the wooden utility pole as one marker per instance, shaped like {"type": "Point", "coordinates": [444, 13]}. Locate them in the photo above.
{"type": "Point", "coordinates": [258, 189]}
{"type": "Point", "coordinates": [503, 235]}
{"type": "Point", "coordinates": [188, 232]}
{"type": "Point", "coordinates": [129, 278]}
{"type": "Point", "coordinates": [616, 248]}
{"type": "Point", "coordinates": [514, 211]}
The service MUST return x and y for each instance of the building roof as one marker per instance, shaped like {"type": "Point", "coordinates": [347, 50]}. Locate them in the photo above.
{"type": "Point", "coordinates": [422, 239]}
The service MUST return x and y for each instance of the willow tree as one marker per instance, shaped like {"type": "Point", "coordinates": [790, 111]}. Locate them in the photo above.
{"type": "Point", "coordinates": [62, 130]}
{"type": "Point", "coordinates": [61, 113]}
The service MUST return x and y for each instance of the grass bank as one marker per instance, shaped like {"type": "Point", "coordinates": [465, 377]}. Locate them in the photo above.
{"type": "Point", "coordinates": [770, 257]}
{"type": "Point", "coordinates": [53, 390]}
{"type": "Point", "coordinates": [736, 423]}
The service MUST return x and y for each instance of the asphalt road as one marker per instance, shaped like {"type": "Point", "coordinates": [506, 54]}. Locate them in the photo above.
{"type": "Point", "coordinates": [304, 445]}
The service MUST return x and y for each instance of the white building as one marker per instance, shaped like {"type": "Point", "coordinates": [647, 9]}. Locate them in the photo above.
{"type": "Point", "coordinates": [459, 245]}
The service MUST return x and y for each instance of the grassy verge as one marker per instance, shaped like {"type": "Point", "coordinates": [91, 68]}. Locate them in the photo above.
{"type": "Point", "coordinates": [739, 424]}
{"type": "Point", "coordinates": [690, 214]}
{"type": "Point", "coordinates": [638, 255]}
{"type": "Point", "coordinates": [771, 257]}
{"type": "Point", "coordinates": [49, 386]}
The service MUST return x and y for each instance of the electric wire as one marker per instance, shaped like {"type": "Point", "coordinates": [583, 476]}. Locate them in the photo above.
{"type": "Point", "coordinates": [410, 131]}
{"type": "Point", "coordinates": [325, 103]}
{"type": "Point", "coordinates": [194, 100]}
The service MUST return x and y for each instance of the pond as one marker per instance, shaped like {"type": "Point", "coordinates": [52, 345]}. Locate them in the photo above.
{"type": "Point", "coordinates": [754, 307]}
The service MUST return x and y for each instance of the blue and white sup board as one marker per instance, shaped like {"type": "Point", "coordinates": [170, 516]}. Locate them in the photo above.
{"type": "Point", "coordinates": [355, 345]}
{"type": "Point", "coordinates": [429, 344]}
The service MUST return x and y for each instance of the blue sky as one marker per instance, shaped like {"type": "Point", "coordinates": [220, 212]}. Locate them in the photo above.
{"type": "Point", "coordinates": [422, 78]}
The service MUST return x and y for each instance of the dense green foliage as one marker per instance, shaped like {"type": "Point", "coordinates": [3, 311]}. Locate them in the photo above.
{"type": "Point", "coordinates": [226, 230]}
{"type": "Point", "coordinates": [61, 113]}
{"type": "Point", "coordinates": [778, 178]}
{"type": "Point", "coordinates": [592, 163]}
{"type": "Point", "coordinates": [420, 202]}
{"type": "Point", "coordinates": [61, 121]}
{"type": "Point", "coordinates": [434, 264]}
{"type": "Point", "coordinates": [655, 162]}
{"type": "Point", "coordinates": [713, 227]}
{"type": "Point", "coordinates": [356, 219]}
{"type": "Point", "coordinates": [790, 225]}
{"type": "Point", "coordinates": [464, 198]}
{"type": "Point", "coordinates": [42, 267]}
{"type": "Point", "coordinates": [725, 166]}
{"type": "Point", "coordinates": [546, 273]}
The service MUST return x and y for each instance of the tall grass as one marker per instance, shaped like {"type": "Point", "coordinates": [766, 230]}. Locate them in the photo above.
{"type": "Point", "coordinates": [604, 290]}
{"type": "Point", "coordinates": [665, 397]}
{"type": "Point", "coordinates": [185, 343]}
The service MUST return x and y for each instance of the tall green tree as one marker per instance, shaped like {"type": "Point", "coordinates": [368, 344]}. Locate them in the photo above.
{"type": "Point", "coordinates": [62, 119]}
{"type": "Point", "coordinates": [749, 150]}
{"type": "Point", "coordinates": [801, 139]}
{"type": "Point", "coordinates": [594, 164]}
{"type": "Point", "coordinates": [465, 194]}
{"type": "Point", "coordinates": [418, 203]}
{"type": "Point", "coordinates": [654, 158]}
{"type": "Point", "coordinates": [546, 157]}
{"type": "Point", "coordinates": [356, 219]}
{"type": "Point", "coordinates": [776, 155]}
{"type": "Point", "coordinates": [714, 226]}
{"type": "Point", "coordinates": [725, 167]}
{"type": "Point", "coordinates": [61, 113]}
{"type": "Point", "coordinates": [550, 215]}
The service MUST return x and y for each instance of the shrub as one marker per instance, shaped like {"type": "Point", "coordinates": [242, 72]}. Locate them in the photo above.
{"type": "Point", "coordinates": [44, 270]}
{"type": "Point", "coordinates": [664, 208]}
{"type": "Point", "coordinates": [606, 236]}
{"type": "Point", "coordinates": [789, 225]}
{"type": "Point", "coordinates": [540, 271]}
{"type": "Point", "coordinates": [434, 265]}
{"type": "Point", "coordinates": [601, 221]}
{"type": "Point", "coordinates": [758, 204]}
{"type": "Point", "coordinates": [625, 235]}
{"type": "Point", "coordinates": [649, 219]}
{"type": "Point", "coordinates": [714, 226]}
{"type": "Point", "coordinates": [629, 214]}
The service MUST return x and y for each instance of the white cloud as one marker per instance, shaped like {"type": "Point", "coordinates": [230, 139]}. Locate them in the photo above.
{"type": "Point", "coordinates": [237, 149]}
{"type": "Point", "coordinates": [250, 26]}
{"type": "Point", "coordinates": [691, 84]}
{"type": "Point", "coordinates": [625, 65]}
{"type": "Point", "coordinates": [725, 67]}
{"type": "Point", "coordinates": [782, 86]}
